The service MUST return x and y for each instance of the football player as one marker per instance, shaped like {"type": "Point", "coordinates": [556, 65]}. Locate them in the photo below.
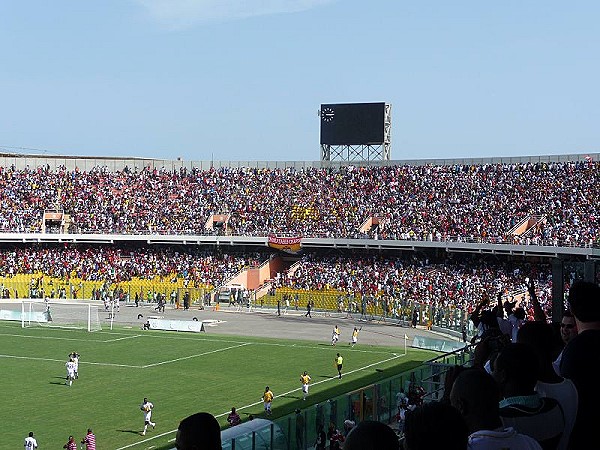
{"type": "Point", "coordinates": [146, 408]}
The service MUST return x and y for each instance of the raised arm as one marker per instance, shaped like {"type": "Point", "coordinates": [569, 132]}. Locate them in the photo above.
{"type": "Point", "coordinates": [538, 312]}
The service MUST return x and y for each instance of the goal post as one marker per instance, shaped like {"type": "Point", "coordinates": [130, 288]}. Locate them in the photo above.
{"type": "Point", "coordinates": [56, 314]}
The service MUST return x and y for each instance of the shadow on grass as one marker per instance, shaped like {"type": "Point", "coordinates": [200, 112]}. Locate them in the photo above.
{"type": "Point", "coordinates": [130, 431]}
{"type": "Point", "coordinates": [327, 376]}
{"type": "Point", "coordinates": [295, 397]}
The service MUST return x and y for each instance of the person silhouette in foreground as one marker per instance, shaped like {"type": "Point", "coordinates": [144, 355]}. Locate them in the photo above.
{"type": "Point", "coordinates": [476, 395]}
{"type": "Point", "coordinates": [200, 431]}
{"type": "Point", "coordinates": [575, 364]}
{"type": "Point", "coordinates": [516, 370]}
{"type": "Point", "coordinates": [371, 435]}
{"type": "Point", "coordinates": [434, 425]}
{"type": "Point", "coordinates": [543, 339]}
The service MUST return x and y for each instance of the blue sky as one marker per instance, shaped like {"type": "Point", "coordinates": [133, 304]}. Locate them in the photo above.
{"type": "Point", "coordinates": [243, 80]}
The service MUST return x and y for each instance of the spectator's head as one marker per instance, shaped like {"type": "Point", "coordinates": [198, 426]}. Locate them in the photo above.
{"type": "Point", "coordinates": [543, 339]}
{"type": "Point", "coordinates": [476, 395]}
{"type": "Point", "coordinates": [516, 369]}
{"type": "Point", "coordinates": [200, 431]}
{"type": "Point", "coordinates": [348, 425]}
{"type": "Point", "coordinates": [519, 313]}
{"type": "Point", "coordinates": [568, 326]}
{"type": "Point", "coordinates": [371, 435]}
{"type": "Point", "coordinates": [488, 318]}
{"type": "Point", "coordinates": [451, 374]}
{"type": "Point", "coordinates": [488, 348]}
{"type": "Point", "coordinates": [584, 300]}
{"type": "Point", "coordinates": [434, 425]}
{"type": "Point", "coordinates": [509, 306]}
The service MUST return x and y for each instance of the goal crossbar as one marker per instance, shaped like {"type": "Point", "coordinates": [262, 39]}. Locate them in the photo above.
{"type": "Point", "coordinates": [52, 314]}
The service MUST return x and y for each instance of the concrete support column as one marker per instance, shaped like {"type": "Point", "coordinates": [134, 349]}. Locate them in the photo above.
{"type": "Point", "coordinates": [589, 271]}
{"type": "Point", "coordinates": [558, 290]}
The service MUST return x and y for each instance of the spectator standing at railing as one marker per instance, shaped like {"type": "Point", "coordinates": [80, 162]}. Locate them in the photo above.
{"type": "Point", "coordinates": [299, 430]}
{"type": "Point", "coordinates": [321, 441]}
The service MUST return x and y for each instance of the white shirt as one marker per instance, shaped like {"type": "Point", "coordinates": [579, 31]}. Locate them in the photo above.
{"type": "Point", "coordinates": [147, 414]}
{"type": "Point", "coordinates": [70, 365]}
{"type": "Point", "coordinates": [556, 364]}
{"type": "Point", "coordinates": [566, 395]}
{"type": "Point", "coordinates": [30, 443]}
{"type": "Point", "coordinates": [401, 398]}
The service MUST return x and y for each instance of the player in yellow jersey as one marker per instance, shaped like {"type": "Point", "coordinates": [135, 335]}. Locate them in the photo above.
{"type": "Point", "coordinates": [267, 399]}
{"type": "Point", "coordinates": [305, 379]}
{"type": "Point", "coordinates": [339, 361]}
{"type": "Point", "coordinates": [355, 336]}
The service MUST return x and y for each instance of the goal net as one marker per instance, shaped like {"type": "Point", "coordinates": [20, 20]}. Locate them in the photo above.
{"type": "Point", "coordinates": [52, 314]}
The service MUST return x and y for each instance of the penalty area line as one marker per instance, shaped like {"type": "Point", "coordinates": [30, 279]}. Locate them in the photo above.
{"type": "Point", "coordinates": [194, 356]}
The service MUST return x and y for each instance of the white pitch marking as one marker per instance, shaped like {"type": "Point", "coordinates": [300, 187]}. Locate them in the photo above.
{"type": "Point", "coordinates": [123, 338]}
{"type": "Point", "coordinates": [51, 337]}
{"type": "Point", "coordinates": [31, 358]}
{"type": "Point", "coordinates": [194, 356]}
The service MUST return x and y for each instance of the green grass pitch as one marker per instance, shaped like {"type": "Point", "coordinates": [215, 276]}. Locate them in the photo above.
{"type": "Point", "coordinates": [181, 373]}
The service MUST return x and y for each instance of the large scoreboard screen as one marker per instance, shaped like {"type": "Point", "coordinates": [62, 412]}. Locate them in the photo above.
{"type": "Point", "coordinates": [352, 123]}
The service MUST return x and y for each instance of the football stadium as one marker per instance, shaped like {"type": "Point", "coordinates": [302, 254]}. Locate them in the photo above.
{"type": "Point", "coordinates": [299, 225]}
{"type": "Point", "coordinates": [196, 284]}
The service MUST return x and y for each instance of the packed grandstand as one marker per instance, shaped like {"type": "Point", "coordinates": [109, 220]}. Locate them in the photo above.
{"type": "Point", "coordinates": [546, 203]}
{"type": "Point", "coordinates": [480, 202]}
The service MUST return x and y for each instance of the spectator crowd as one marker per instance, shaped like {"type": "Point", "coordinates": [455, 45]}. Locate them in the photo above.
{"type": "Point", "coordinates": [445, 283]}
{"type": "Point", "coordinates": [430, 202]}
{"type": "Point", "coordinates": [196, 266]}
